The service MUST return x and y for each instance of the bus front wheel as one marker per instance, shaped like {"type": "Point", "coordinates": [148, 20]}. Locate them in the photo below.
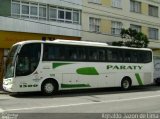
{"type": "Point", "coordinates": [126, 83]}
{"type": "Point", "coordinates": [49, 87]}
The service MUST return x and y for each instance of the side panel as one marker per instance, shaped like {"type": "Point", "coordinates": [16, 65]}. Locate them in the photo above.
{"type": "Point", "coordinates": [79, 75]}
{"type": "Point", "coordinates": [140, 74]}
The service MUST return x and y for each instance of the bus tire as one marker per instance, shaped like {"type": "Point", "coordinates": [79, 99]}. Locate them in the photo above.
{"type": "Point", "coordinates": [49, 87]}
{"type": "Point", "coordinates": [126, 83]}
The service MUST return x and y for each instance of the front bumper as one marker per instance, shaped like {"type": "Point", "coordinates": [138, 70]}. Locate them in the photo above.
{"type": "Point", "coordinates": [8, 88]}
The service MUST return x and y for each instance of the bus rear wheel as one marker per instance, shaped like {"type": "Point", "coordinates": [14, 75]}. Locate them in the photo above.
{"type": "Point", "coordinates": [48, 88]}
{"type": "Point", "coordinates": [126, 84]}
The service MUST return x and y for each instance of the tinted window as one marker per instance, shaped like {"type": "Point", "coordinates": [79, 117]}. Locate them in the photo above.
{"type": "Point", "coordinates": [101, 54]}
{"type": "Point", "coordinates": [72, 53]}
{"type": "Point", "coordinates": [114, 55]}
{"type": "Point", "coordinates": [127, 56]}
{"type": "Point", "coordinates": [76, 53]}
{"type": "Point", "coordinates": [53, 52]}
{"type": "Point", "coordinates": [144, 56]}
{"type": "Point", "coordinates": [57, 52]}
{"type": "Point", "coordinates": [134, 56]}
{"type": "Point", "coordinates": [92, 54]}
{"type": "Point", "coordinates": [28, 59]}
{"type": "Point", "coordinates": [82, 53]}
{"type": "Point", "coordinates": [96, 54]}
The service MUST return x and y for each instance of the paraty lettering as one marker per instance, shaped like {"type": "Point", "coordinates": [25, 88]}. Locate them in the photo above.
{"type": "Point", "coordinates": [124, 67]}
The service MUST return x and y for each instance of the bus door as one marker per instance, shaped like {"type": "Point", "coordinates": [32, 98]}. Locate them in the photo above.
{"type": "Point", "coordinates": [27, 67]}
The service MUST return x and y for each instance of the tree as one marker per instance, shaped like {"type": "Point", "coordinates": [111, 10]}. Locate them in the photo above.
{"type": "Point", "coordinates": [132, 39]}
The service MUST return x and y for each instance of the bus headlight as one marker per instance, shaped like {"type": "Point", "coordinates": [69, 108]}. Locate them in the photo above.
{"type": "Point", "coordinates": [8, 82]}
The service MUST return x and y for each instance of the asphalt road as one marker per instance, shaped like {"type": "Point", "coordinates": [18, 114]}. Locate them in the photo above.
{"type": "Point", "coordinates": [83, 104]}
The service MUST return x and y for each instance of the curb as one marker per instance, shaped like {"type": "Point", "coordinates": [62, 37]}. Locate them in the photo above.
{"type": "Point", "coordinates": [3, 92]}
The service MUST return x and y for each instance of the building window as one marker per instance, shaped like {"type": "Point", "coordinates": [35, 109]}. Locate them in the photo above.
{"type": "Point", "coordinates": [25, 9]}
{"type": "Point", "coordinates": [28, 10]}
{"type": "Point", "coordinates": [52, 13]}
{"type": "Point", "coordinates": [15, 8]}
{"type": "Point", "coordinates": [135, 27]}
{"type": "Point", "coordinates": [135, 6]}
{"type": "Point", "coordinates": [117, 3]}
{"type": "Point", "coordinates": [94, 24]}
{"type": "Point", "coordinates": [153, 33]}
{"type": "Point", "coordinates": [68, 15]}
{"type": "Point", "coordinates": [34, 10]}
{"type": "Point", "coordinates": [95, 1]}
{"type": "Point", "coordinates": [64, 15]}
{"type": "Point", "coordinates": [153, 11]}
{"type": "Point", "coordinates": [61, 14]}
{"type": "Point", "coordinates": [76, 17]}
{"type": "Point", "coordinates": [116, 28]}
{"type": "Point", "coordinates": [42, 12]}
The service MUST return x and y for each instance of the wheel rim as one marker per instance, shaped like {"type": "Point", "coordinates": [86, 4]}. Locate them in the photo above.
{"type": "Point", "coordinates": [125, 84]}
{"type": "Point", "coordinates": [49, 88]}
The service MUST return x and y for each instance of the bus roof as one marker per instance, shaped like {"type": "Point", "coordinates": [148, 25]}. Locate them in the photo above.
{"type": "Point", "coordinates": [83, 43]}
{"type": "Point", "coordinates": [72, 42]}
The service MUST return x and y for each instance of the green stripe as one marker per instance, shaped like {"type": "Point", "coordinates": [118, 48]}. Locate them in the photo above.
{"type": "Point", "coordinates": [139, 79]}
{"type": "Point", "coordinates": [55, 65]}
{"type": "Point", "coordinates": [74, 85]}
{"type": "Point", "coordinates": [87, 71]}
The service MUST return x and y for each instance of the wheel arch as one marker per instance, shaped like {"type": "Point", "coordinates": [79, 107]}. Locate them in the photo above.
{"type": "Point", "coordinates": [126, 83]}
{"type": "Point", "coordinates": [52, 80]}
{"type": "Point", "coordinates": [128, 78]}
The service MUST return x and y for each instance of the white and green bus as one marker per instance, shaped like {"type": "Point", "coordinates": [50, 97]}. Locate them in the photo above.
{"type": "Point", "coordinates": [49, 66]}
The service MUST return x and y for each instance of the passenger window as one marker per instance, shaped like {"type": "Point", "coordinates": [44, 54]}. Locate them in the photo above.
{"type": "Point", "coordinates": [109, 55]}
{"type": "Point", "coordinates": [81, 53]}
{"type": "Point", "coordinates": [48, 52]}
{"type": "Point", "coordinates": [101, 54]}
{"type": "Point", "coordinates": [134, 57]}
{"type": "Point", "coordinates": [144, 56]}
{"type": "Point", "coordinates": [52, 52]}
{"type": "Point", "coordinates": [114, 55]}
{"type": "Point", "coordinates": [72, 53]}
{"type": "Point", "coordinates": [93, 55]}
{"type": "Point", "coordinates": [148, 56]}
{"type": "Point", "coordinates": [127, 56]}
{"type": "Point", "coordinates": [76, 53]}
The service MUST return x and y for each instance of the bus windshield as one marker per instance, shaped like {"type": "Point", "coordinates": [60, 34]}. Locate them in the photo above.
{"type": "Point", "coordinates": [10, 62]}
